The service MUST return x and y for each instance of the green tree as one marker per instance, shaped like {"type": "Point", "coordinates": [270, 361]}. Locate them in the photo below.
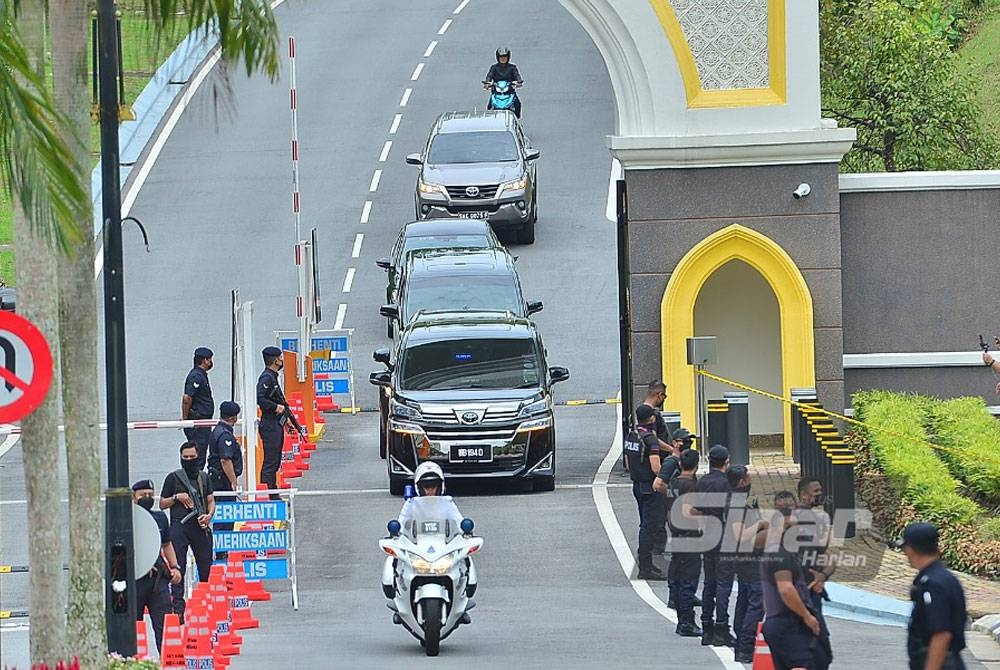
{"type": "Point", "coordinates": [886, 72]}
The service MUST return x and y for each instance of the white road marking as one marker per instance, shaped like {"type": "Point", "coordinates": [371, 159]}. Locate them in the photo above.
{"type": "Point", "coordinates": [348, 281]}
{"type": "Point", "coordinates": [9, 441]}
{"type": "Point", "coordinates": [616, 174]}
{"type": "Point", "coordinates": [444, 27]}
{"type": "Point", "coordinates": [461, 6]}
{"type": "Point", "coordinates": [406, 97]}
{"type": "Point", "coordinates": [395, 124]}
{"type": "Point", "coordinates": [620, 545]}
{"type": "Point", "coordinates": [430, 49]}
{"type": "Point", "coordinates": [356, 252]}
{"type": "Point", "coordinates": [416, 72]}
{"type": "Point", "coordinates": [375, 180]}
{"type": "Point", "coordinates": [385, 151]}
{"type": "Point", "coordinates": [341, 313]}
{"type": "Point", "coordinates": [366, 211]}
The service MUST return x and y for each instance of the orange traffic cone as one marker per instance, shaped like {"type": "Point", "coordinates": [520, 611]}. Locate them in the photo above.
{"type": "Point", "coordinates": [761, 652]}
{"type": "Point", "coordinates": [228, 641]}
{"type": "Point", "coordinates": [142, 648]}
{"type": "Point", "coordinates": [239, 600]}
{"type": "Point", "coordinates": [172, 653]}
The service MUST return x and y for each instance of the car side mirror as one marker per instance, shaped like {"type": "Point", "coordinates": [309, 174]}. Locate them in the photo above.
{"type": "Point", "coordinates": [382, 356]}
{"type": "Point", "coordinates": [532, 154]}
{"type": "Point", "coordinates": [535, 306]}
{"type": "Point", "coordinates": [380, 378]}
{"type": "Point", "coordinates": [389, 311]}
{"type": "Point", "coordinates": [414, 159]}
{"type": "Point", "coordinates": [384, 263]}
{"type": "Point", "coordinates": [558, 374]}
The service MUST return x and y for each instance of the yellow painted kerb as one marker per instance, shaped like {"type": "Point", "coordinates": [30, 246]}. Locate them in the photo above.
{"type": "Point", "coordinates": [697, 97]}
{"type": "Point", "coordinates": [798, 367]}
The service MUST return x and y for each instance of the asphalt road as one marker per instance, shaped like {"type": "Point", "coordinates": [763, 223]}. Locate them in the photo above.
{"type": "Point", "coordinates": [553, 592]}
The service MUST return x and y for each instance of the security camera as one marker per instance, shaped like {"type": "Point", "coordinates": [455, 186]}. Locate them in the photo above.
{"type": "Point", "coordinates": [801, 191]}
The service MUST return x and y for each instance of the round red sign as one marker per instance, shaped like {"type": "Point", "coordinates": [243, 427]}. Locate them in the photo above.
{"type": "Point", "coordinates": [26, 369]}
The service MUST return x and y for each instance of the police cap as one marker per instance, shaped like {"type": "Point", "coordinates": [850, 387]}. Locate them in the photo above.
{"type": "Point", "coordinates": [922, 537]}
{"type": "Point", "coordinates": [718, 454]}
{"type": "Point", "coordinates": [682, 434]}
{"type": "Point", "coordinates": [270, 352]}
{"type": "Point", "coordinates": [143, 484]}
{"type": "Point", "coordinates": [644, 413]}
{"type": "Point", "coordinates": [203, 352]}
{"type": "Point", "coordinates": [229, 408]}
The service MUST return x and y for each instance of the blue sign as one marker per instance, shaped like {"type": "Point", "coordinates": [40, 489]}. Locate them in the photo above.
{"type": "Point", "coordinates": [331, 386]}
{"type": "Point", "coordinates": [268, 568]}
{"type": "Point", "coordinates": [326, 343]}
{"type": "Point", "coordinates": [229, 511]}
{"type": "Point", "coordinates": [332, 365]}
{"type": "Point", "coordinates": [251, 540]}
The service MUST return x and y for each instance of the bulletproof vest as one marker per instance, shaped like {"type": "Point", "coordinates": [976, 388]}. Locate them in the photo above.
{"type": "Point", "coordinates": [637, 458]}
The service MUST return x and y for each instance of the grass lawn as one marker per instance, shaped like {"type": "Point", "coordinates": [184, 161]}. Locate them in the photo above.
{"type": "Point", "coordinates": [981, 55]}
{"type": "Point", "coordinates": [142, 54]}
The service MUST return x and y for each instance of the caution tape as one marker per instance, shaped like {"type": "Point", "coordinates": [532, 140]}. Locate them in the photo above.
{"type": "Point", "coordinates": [13, 614]}
{"type": "Point", "coordinates": [808, 409]}
{"type": "Point", "coordinates": [16, 569]}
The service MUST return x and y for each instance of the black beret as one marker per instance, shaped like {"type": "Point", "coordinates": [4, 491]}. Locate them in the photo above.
{"type": "Point", "coordinates": [923, 537]}
{"type": "Point", "coordinates": [143, 484]}
{"type": "Point", "coordinates": [718, 454]}
{"type": "Point", "coordinates": [203, 352]}
{"type": "Point", "coordinates": [270, 352]}
{"type": "Point", "coordinates": [229, 408]}
{"type": "Point", "coordinates": [643, 413]}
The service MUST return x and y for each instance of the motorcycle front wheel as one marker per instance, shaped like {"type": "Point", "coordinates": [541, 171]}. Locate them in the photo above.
{"type": "Point", "coordinates": [432, 626]}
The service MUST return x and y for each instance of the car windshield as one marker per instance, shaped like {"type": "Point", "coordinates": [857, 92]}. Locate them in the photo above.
{"type": "Point", "coordinates": [462, 293]}
{"type": "Point", "coordinates": [474, 147]}
{"type": "Point", "coordinates": [447, 365]}
{"type": "Point", "coordinates": [476, 241]}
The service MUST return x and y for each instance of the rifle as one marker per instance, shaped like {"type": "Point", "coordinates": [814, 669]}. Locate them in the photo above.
{"type": "Point", "coordinates": [288, 416]}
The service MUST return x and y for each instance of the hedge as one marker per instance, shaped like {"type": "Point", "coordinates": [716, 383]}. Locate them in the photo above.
{"type": "Point", "coordinates": [971, 437]}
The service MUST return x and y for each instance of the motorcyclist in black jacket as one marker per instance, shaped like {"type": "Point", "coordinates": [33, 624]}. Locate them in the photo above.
{"type": "Point", "coordinates": [504, 70]}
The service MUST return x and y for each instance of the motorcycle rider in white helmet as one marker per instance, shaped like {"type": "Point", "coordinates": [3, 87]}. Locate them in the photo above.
{"type": "Point", "coordinates": [428, 479]}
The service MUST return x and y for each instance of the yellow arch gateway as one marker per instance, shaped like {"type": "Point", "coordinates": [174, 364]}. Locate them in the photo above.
{"type": "Point", "coordinates": [798, 366]}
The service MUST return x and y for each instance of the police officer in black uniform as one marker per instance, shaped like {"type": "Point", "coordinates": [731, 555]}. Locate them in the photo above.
{"type": "Point", "coordinates": [642, 456]}
{"type": "Point", "coordinates": [153, 588]}
{"type": "Point", "coordinates": [225, 458]}
{"type": "Point", "coordinates": [936, 635]}
{"type": "Point", "coordinates": [270, 400]}
{"type": "Point", "coordinates": [718, 574]}
{"type": "Point", "coordinates": [197, 402]}
{"type": "Point", "coordinates": [685, 561]}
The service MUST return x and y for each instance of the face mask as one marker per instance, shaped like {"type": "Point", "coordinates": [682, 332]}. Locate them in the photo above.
{"type": "Point", "coordinates": [785, 511]}
{"type": "Point", "coordinates": [145, 502]}
{"type": "Point", "coordinates": [281, 365]}
{"type": "Point", "coordinates": [190, 467]}
{"type": "Point", "coordinates": [210, 366]}
{"type": "Point", "coordinates": [742, 489]}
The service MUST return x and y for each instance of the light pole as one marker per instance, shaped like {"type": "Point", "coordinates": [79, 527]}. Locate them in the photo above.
{"type": "Point", "coordinates": [119, 569]}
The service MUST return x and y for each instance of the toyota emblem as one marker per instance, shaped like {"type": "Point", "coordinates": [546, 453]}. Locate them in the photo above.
{"type": "Point", "coordinates": [472, 191]}
{"type": "Point", "coordinates": [470, 417]}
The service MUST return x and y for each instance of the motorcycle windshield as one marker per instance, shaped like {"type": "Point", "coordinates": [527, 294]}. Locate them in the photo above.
{"type": "Point", "coordinates": [430, 519]}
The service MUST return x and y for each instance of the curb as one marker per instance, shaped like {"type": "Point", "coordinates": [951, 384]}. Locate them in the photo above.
{"type": "Point", "coordinates": [990, 625]}
{"type": "Point", "coordinates": [860, 605]}
{"type": "Point", "coordinates": [150, 108]}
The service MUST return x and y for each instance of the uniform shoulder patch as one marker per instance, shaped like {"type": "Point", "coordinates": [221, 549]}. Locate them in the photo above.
{"type": "Point", "coordinates": [927, 597]}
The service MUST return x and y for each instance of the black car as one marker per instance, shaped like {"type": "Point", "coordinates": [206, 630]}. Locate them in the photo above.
{"type": "Point", "coordinates": [434, 234]}
{"type": "Point", "coordinates": [455, 281]}
{"type": "Point", "coordinates": [8, 299]}
{"type": "Point", "coordinates": [471, 392]}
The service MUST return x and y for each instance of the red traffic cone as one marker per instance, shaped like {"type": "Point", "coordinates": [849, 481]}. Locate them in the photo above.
{"type": "Point", "coordinates": [761, 652]}
{"type": "Point", "coordinates": [172, 652]}
{"type": "Point", "coordinates": [141, 646]}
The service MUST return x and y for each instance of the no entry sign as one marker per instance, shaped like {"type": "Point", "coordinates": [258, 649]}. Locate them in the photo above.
{"type": "Point", "coordinates": [25, 367]}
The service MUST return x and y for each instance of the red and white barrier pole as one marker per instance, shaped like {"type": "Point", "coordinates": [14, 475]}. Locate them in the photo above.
{"type": "Point", "coordinates": [293, 104]}
{"type": "Point", "coordinates": [136, 425]}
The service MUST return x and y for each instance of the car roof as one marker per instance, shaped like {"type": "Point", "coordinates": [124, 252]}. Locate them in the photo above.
{"type": "Point", "coordinates": [465, 122]}
{"type": "Point", "coordinates": [448, 262]}
{"type": "Point", "coordinates": [438, 325]}
{"type": "Point", "coordinates": [431, 227]}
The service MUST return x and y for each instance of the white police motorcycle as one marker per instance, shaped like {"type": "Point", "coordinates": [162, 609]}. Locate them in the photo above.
{"type": "Point", "coordinates": [429, 577]}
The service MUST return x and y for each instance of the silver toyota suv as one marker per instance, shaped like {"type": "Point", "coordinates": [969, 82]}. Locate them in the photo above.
{"type": "Point", "coordinates": [479, 165]}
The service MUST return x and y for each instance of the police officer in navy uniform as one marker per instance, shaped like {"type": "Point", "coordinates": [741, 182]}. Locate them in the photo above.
{"type": "Point", "coordinates": [197, 402]}
{"type": "Point", "coordinates": [936, 634]}
{"type": "Point", "coordinates": [642, 456]}
{"type": "Point", "coordinates": [718, 573]}
{"type": "Point", "coordinates": [271, 432]}
{"type": "Point", "coordinates": [153, 588]}
{"type": "Point", "coordinates": [225, 458]}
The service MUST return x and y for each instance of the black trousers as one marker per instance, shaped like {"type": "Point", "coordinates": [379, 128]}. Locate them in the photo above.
{"type": "Point", "coordinates": [185, 536]}
{"type": "Point", "coordinates": [273, 436]}
{"type": "Point", "coordinates": [682, 577]}
{"type": "Point", "coordinates": [200, 436]}
{"type": "Point", "coordinates": [153, 593]}
{"type": "Point", "coordinates": [651, 516]}
{"type": "Point", "coordinates": [718, 587]}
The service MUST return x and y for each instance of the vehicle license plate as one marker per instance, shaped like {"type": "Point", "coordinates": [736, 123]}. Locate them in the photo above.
{"type": "Point", "coordinates": [471, 453]}
{"type": "Point", "coordinates": [473, 215]}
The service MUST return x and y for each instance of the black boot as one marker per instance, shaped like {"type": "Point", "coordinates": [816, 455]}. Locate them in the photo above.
{"type": "Point", "coordinates": [686, 627]}
{"type": "Point", "coordinates": [721, 637]}
{"type": "Point", "coordinates": [707, 633]}
{"type": "Point", "coordinates": [652, 573]}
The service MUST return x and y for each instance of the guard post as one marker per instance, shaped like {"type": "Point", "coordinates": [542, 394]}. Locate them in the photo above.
{"type": "Point", "coordinates": [738, 426]}
{"type": "Point", "coordinates": [718, 428]}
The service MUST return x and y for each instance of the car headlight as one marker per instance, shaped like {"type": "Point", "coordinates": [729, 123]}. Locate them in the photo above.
{"type": "Point", "coordinates": [438, 567]}
{"type": "Point", "coordinates": [516, 185]}
{"type": "Point", "coordinates": [404, 411]}
{"type": "Point", "coordinates": [427, 187]}
{"type": "Point", "coordinates": [404, 428]}
{"type": "Point", "coordinates": [536, 407]}
{"type": "Point", "coordinates": [535, 424]}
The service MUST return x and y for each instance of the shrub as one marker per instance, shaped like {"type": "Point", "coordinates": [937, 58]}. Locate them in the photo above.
{"type": "Point", "coordinates": [971, 437]}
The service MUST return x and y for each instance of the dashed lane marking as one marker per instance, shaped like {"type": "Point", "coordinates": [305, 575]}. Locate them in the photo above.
{"type": "Point", "coordinates": [366, 211]}
{"type": "Point", "coordinates": [406, 97]}
{"type": "Point", "coordinates": [358, 239]}
{"type": "Point", "coordinates": [430, 49]}
{"type": "Point", "coordinates": [461, 6]}
{"type": "Point", "coordinates": [348, 280]}
{"type": "Point", "coordinates": [341, 313]}
{"type": "Point", "coordinates": [385, 151]}
{"type": "Point", "coordinates": [375, 180]}
{"type": "Point", "coordinates": [444, 27]}
{"type": "Point", "coordinates": [395, 124]}
{"type": "Point", "coordinates": [416, 72]}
